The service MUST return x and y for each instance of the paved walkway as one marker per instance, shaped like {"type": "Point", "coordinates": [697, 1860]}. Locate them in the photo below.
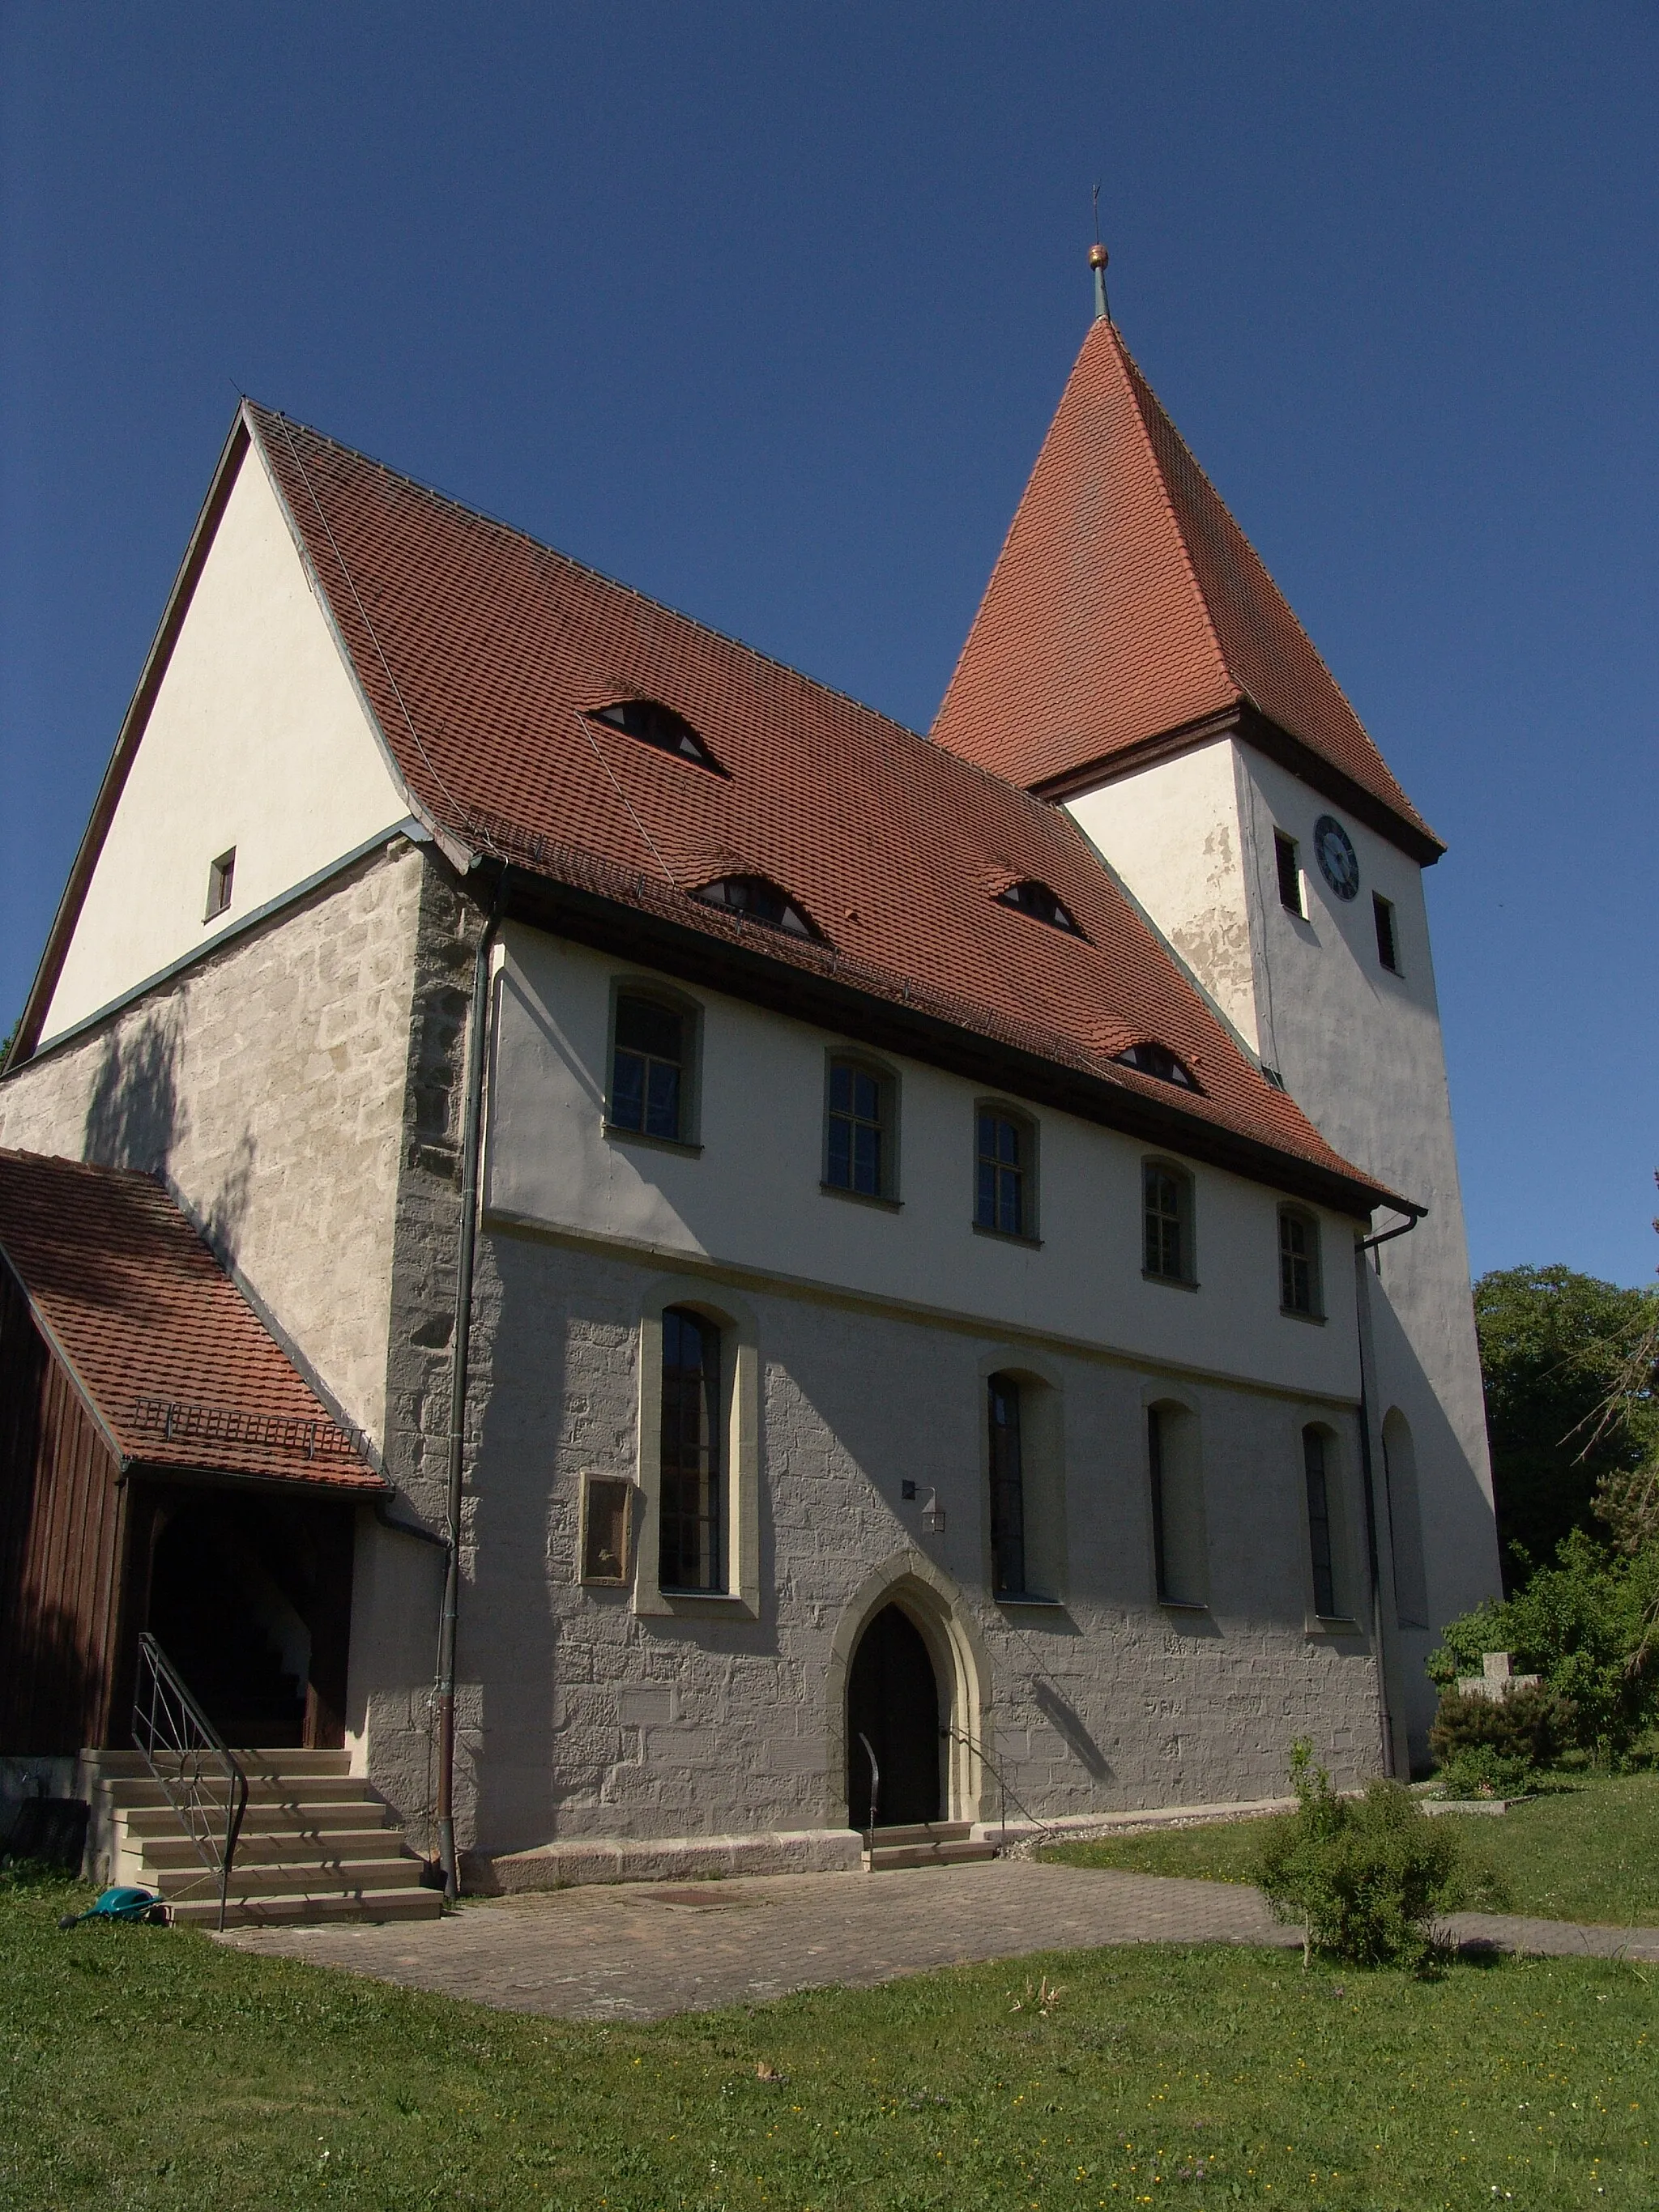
{"type": "Point", "coordinates": [640, 1951]}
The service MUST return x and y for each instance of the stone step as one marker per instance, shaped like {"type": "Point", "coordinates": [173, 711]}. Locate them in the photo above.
{"type": "Point", "coordinates": [307, 1907]}
{"type": "Point", "coordinates": [264, 1847]}
{"type": "Point", "coordinates": [159, 1818]}
{"type": "Point", "coordinates": [113, 1765]}
{"type": "Point", "coordinates": [924, 1831]}
{"type": "Point", "coordinates": [887, 1858]}
{"type": "Point", "coordinates": [344, 1877]}
{"type": "Point", "coordinates": [262, 1790]}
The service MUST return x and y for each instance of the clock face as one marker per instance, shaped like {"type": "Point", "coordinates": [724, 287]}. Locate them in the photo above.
{"type": "Point", "coordinates": [1338, 862]}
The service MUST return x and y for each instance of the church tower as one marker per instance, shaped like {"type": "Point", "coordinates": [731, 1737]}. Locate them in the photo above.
{"type": "Point", "coordinates": [1133, 661]}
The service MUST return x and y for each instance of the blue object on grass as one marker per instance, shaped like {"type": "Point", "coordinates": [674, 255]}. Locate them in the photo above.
{"type": "Point", "coordinates": [120, 1902]}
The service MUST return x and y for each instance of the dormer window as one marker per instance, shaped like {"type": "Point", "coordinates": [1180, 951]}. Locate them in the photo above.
{"type": "Point", "coordinates": [1158, 1062]}
{"type": "Point", "coordinates": [1040, 903]}
{"type": "Point", "coordinates": [759, 901]}
{"type": "Point", "coordinates": [653, 724]}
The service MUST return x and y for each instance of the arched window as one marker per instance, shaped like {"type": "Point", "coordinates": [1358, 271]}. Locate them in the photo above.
{"type": "Point", "coordinates": [690, 1544]}
{"type": "Point", "coordinates": [860, 1146]}
{"type": "Point", "coordinates": [659, 726]}
{"type": "Point", "coordinates": [1411, 1593]}
{"type": "Point", "coordinates": [1007, 1488]}
{"type": "Point", "coordinates": [653, 1041]}
{"type": "Point", "coordinates": [1005, 1167]}
{"type": "Point", "coordinates": [1176, 1480]}
{"type": "Point", "coordinates": [756, 900]}
{"type": "Point", "coordinates": [1321, 1530]}
{"type": "Point", "coordinates": [1300, 1289]}
{"type": "Point", "coordinates": [1166, 1194]}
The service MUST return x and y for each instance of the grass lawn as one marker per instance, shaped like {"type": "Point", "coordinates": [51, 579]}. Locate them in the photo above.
{"type": "Point", "coordinates": [150, 2067]}
{"type": "Point", "coordinates": [1588, 1850]}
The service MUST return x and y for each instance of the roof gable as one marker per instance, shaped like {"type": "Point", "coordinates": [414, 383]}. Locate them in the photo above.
{"type": "Point", "coordinates": [1127, 605]}
{"type": "Point", "coordinates": [169, 1355]}
{"type": "Point", "coordinates": [485, 656]}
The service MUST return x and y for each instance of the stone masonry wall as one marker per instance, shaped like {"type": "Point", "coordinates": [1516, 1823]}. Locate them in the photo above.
{"type": "Point", "coordinates": [267, 1085]}
{"type": "Point", "coordinates": [585, 1719]}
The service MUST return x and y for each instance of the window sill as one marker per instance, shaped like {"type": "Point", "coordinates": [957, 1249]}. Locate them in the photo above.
{"type": "Point", "coordinates": [1331, 1624]}
{"type": "Point", "coordinates": [1182, 1605]}
{"type": "Point", "coordinates": [863, 1198]}
{"type": "Point", "coordinates": [1027, 1598]}
{"type": "Point", "coordinates": [618, 1134]}
{"type": "Point", "coordinates": [1294, 1313]}
{"type": "Point", "coordinates": [1007, 1236]}
{"type": "Point", "coordinates": [1168, 1282]}
{"type": "Point", "coordinates": [711, 1604]}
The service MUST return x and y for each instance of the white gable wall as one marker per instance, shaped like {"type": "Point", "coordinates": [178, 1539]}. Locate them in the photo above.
{"type": "Point", "coordinates": [257, 739]}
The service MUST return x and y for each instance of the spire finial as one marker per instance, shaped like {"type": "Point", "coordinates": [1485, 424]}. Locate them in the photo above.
{"type": "Point", "coordinates": [1097, 260]}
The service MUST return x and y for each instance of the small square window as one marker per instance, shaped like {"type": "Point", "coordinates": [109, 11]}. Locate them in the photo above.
{"type": "Point", "coordinates": [606, 1529]}
{"type": "Point", "coordinates": [1289, 875]}
{"type": "Point", "coordinates": [1388, 942]}
{"type": "Point", "coordinates": [221, 876]}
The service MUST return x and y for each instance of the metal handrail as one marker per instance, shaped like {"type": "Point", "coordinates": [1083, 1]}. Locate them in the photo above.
{"type": "Point", "coordinates": [959, 1735]}
{"type": "Point", "coordinates": [170, 1727]}
{"type": "Point", "coordinates": [875, 1789]}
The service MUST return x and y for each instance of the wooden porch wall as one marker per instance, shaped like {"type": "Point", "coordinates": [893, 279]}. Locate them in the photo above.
{"type": "Point", "coordinates": [62, 1524]}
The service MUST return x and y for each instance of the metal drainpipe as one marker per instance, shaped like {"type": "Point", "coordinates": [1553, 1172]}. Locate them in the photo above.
{"type": "Point", "coordinates": [477, 1040]}
{"type": "Point", "coordinates": [1385, 1718]}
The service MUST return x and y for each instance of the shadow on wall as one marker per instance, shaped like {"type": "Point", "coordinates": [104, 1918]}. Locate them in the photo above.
{"type": "Point", "coordinates": [1070, 1723]}
{"type": "Point", "coordinates": [136, 1118]}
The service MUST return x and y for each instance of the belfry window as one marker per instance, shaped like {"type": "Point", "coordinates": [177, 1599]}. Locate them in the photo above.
{"type": "Point", "coordinates": [659, 727]}
{"type": "Point", "coordinates": [1040, 904]}
{"type": "Point", "coordinates": [1387, 943]}
{"type": "Point", "coordinates": [690, 1554]}
{"type": "Point", "coordinates": [1289, 875]}
{"type": "Point", "coordinates": [757, 899]}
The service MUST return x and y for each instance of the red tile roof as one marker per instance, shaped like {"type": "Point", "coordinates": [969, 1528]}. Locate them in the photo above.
{"type": "Point", "coordinates": [171, 1356]}
{"type": "Point", "coordinates": [479, 651]}
{"type": "Point", "coordinates": [1127, 603]}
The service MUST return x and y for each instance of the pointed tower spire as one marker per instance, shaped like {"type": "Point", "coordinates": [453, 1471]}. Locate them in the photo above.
{"type": "Point", "coordinates": [1098, 258]}
{"type": "Point", "coordinates": [1129, 617]}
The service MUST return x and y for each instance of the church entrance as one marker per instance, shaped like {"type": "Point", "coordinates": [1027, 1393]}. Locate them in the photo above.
{"type": "Point", "coordinates": [250, 1598]}
{"type": "Point", "coordinates": [892, 1701]}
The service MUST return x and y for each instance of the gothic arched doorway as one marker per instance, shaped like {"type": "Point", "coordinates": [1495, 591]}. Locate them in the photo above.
{"type": "Point", "coordinates": [892, 1701]}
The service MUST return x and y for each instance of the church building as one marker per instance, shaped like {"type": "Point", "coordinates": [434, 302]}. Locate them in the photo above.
{"type": "Point", "coordinates": [686, 1277]}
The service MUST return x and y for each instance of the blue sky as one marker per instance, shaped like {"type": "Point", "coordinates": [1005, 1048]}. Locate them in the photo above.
{"type": "Point", "coordinates": [765, 309]}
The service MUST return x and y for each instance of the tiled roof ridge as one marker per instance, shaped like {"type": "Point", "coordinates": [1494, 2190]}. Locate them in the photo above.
{"type": "Point", "coordinates": [540, 545]}
{"type": "Point", "coordinates": [1144, 394]}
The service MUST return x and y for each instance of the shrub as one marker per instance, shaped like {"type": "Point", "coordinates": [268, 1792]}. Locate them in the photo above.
{"type": "Point", "coordinates": [1584, 1626]}
{"type": "Point", "coordinates": [1477, 1770]}
{"type": "Point", "coordinates": [1365, 1876]}
{"type": "Point", "coordinates": [1526, 1728]}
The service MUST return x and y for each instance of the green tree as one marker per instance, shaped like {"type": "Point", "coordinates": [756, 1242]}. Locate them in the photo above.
{"type": "Point", "coordinates": [1555, 1349]}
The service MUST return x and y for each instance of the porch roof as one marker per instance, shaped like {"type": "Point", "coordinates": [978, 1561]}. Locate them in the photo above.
{"type": "Point", "coordinates": [167, 1352]}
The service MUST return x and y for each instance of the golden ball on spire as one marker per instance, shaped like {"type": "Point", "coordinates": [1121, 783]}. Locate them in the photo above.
{"type": "Point", "coordinates": [1098, 256]}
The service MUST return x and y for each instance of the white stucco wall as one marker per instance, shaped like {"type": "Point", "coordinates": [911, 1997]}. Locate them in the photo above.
{"type": "Point", "coordinates": [1360, 1051]}
{"type": "Point", "coordinates": [257, 739]}
{"type": "Point", "coordinates": [751, 1198]}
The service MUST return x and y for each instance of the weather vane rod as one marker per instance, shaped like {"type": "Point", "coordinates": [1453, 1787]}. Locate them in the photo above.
{"type": "Point", "coordinates": [1097, 260]}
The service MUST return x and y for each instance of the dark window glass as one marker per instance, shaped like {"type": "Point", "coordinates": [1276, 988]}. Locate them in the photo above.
{"type": "Point", "coordinates": [653, 724]}
{"type": "Point", "coordinates": [1007, 1491]}
{"type": "Point", "coordinates": [1166, 1239]}
{"type": "Point", "coordinates": [1040, 903]}
{"type": "Point", "coordinates": [1158, 1060]}
{"type": "Point", "coordinates": [1155, 1460]}
{"type": "Point", "coordinates": [856, 1117]}
{"type": "Point", "coordinates": [1289, 876]}
{"type": "Point", "coordinates": [1001, 1199]}
{"type": "Point", "coordinates": [690, 1554]}
{"type": "Point", "coordinates": [753, 896]}
{"type": "Point", "coordinates": [1387, 951]}
{"type": "Point", "coordinates": [647, 1074]}
{"type": "Point", "coordinates": [1319, 1524]}
{"type": "Point", "coordinates": [1297, 1275]}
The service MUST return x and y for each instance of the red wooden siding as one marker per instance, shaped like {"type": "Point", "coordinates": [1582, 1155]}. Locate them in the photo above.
{"type": "Point", "coordinates": [62, 1527]}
